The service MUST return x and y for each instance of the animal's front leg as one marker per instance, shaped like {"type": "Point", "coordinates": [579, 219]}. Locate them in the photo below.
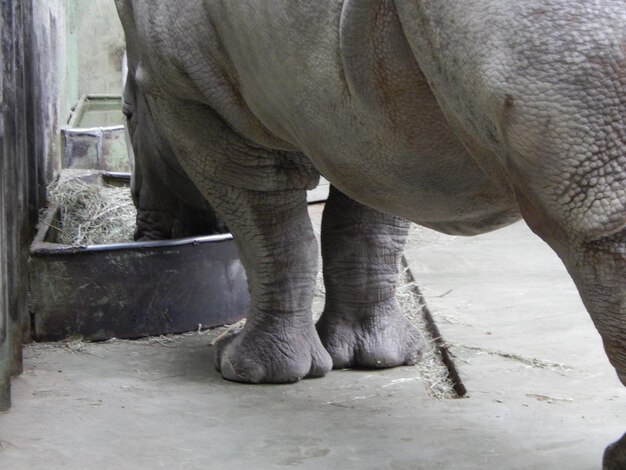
{"type": "Point", "coordinates": [275, 238]}
{"type": "Point", "coordinates": [598, 268]}
{"type": "Point", "coordinates": [362, 325]}
{"type": "Point", "coordinates": [597, 264]}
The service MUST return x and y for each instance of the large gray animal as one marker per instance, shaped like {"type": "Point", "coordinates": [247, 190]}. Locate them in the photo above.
{"type": "Point", "coordinates": [459, 115]}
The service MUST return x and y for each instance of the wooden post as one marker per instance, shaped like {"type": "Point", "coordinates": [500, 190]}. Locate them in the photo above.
{"type": "Point", "coordinates": [5, 344]}
{"type": "Point", "coordinates": [5, 348]}
{"type": "Point", "coordinates": [15, 221]}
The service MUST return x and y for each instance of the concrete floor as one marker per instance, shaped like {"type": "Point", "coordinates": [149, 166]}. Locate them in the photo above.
{"type": "Point", "coordinates": [541, 393]}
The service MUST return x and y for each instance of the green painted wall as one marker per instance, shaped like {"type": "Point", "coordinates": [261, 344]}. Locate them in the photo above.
{"type": "Point", "coordinates": [99, 47]}
{"type": "Point", "coordinates": [53, 77]}
{"type": "Point", "coordinates": [77, 49]}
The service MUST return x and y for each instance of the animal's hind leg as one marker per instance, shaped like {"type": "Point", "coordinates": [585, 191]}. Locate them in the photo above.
{"type": "Point", "coordinates": [278, 249]}
{"type": "Point", "coordinates": [362, 325]}
{"type": "Point", "coordinates": [260, 194]}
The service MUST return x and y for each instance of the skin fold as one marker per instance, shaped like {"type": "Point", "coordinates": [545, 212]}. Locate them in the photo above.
{"type": "Point", "coordinates": [461, 116]}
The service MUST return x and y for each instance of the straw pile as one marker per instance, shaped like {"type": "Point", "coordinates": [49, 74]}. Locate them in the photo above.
{"type": "Point", "coordinates": [433, 371]}
{"type": "Point", "coordinates": [92, 213]}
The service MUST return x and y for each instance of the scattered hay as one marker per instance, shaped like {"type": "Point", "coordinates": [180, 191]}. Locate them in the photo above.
{"type": "Point", "coordinates": [168, 341]}
{"type": "Point", "coordinates": [431, 368]}
{"type": "Point", "coordinates": [549, 399]}
{"type": "Point", "coordinates": [92, 213]}
{"type": "Point", "coordinates": [527, 361]}
{"type": "Point", "coordinates": [229, 330]}
{"type": "Point", "coordinates": [74, 345]}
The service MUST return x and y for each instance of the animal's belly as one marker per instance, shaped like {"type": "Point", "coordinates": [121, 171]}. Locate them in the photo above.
{"type": "Point", "coordinates": [410, 164]}
{"type": "Point", "coordinates": [428, 177]}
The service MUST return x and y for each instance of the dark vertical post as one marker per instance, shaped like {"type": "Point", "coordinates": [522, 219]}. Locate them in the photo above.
{"type": "Point", "coordinates": [35, 157]}
{"type": "Point", "coordinates": [5, 349]}
{"type": "Point", "coordinates": [5, 345]}
{"type": "Point", "coordinates": [24, 227]}
{"type": "Point", "coordinates": [15, 223]}
{"type": "Point", "coordinates": [12, 182]}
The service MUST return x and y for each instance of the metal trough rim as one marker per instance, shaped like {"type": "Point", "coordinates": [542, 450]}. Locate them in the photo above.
{"type": "Point", "coordinates": [77, 112]}
{"type": "Point", "coordinates": [40, 247]}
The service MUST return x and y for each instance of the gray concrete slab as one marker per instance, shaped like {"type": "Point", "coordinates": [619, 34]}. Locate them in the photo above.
{"type": "Point", "coordinates": [151, 404]}
{"type": "Point", "coordinates": [146, 404]}
{"type": "Point", "coordinates": [522, 341]}
{"type": "Point", "coordinates": [541, 393]}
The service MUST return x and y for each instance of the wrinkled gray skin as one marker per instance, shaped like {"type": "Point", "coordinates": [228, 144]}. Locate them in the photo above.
{"type": "Point", "coordinates": [458, 115]}
{"type": "Point", "coordinates": [168, 203]}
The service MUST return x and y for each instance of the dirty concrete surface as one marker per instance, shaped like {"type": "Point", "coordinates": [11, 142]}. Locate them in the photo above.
{"type": "Point", "coordinates": [541, 393]}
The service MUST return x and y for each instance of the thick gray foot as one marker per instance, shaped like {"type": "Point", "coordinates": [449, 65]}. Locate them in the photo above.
{"type": "Point", "coordinates": [615, 455]}
{"type": "Point", "coordinates": [281, 355]}
{"type": "Point", "coordinates": [380, 338]}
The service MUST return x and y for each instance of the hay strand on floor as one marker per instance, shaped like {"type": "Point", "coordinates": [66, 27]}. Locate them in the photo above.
{"type": "Point", "coordinates": [431, 367]}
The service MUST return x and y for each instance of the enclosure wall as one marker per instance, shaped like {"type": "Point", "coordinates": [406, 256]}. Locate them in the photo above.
{"type": "Point", "coordinates": [34, 97]}
{"type": "Point", "coordinates": [52, 52]}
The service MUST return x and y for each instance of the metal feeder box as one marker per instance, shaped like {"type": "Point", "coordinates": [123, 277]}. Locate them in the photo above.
{"type": "Point", "coordinates": [129, 290]}
{"type": "Point", "coordinates": [94, 137]}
